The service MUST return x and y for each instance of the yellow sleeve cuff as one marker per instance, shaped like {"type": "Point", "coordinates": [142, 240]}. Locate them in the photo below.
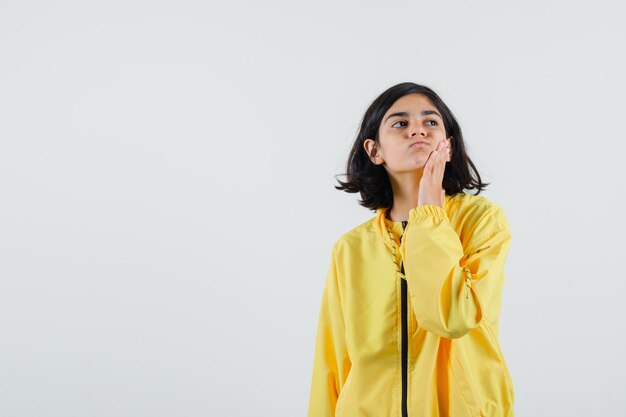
{"type": "Point", "coordinates": [428, 210]}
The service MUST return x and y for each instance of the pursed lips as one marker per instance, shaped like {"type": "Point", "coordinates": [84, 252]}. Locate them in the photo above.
{"type": "Point", "coordinates": [418, 142]}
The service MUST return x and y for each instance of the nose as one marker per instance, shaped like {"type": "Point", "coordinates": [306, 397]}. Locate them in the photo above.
{"type": "Point", "coordinates": [419, 130]}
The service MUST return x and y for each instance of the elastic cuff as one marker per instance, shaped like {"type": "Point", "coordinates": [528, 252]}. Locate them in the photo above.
{"type": "Point", "coordinates": [428, 210]}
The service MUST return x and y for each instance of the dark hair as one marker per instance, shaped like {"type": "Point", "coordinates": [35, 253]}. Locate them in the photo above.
{"type": "Point", "coordinates": [372, 181]}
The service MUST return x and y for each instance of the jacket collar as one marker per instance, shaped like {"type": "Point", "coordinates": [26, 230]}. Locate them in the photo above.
{"type": "Point", "coordinates": [380, 222]}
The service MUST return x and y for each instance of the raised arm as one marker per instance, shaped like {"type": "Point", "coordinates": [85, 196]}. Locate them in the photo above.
{"type": "Point", "coordinates": [452, 285]}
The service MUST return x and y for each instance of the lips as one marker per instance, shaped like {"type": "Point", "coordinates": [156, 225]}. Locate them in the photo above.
{"type": "Point", "coordinates": [419, 143]}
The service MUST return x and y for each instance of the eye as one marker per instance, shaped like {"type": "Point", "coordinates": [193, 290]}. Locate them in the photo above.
{"type": "Point", "coordinates": [435, 123]}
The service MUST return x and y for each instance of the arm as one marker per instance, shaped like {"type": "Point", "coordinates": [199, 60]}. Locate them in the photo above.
{"type": "Point", "coordinates": [452, 284]}
{"type": "Point", "coordinates": [331, 362]}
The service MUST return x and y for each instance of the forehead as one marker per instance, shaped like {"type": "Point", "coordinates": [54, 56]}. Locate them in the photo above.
{"type": "Point", "coordinates": [413, 102]}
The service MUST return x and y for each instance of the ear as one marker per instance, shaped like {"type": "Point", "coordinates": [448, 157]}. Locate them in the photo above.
{"type": "Point", "coordinates": [371, 148]}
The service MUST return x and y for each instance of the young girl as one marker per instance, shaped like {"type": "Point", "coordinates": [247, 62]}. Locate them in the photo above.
{"type": "Point", "coordinates": [409, 318]}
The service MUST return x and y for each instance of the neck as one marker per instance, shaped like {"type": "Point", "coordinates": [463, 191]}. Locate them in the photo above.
{"type": "Point", "coordinates": [405, 187]}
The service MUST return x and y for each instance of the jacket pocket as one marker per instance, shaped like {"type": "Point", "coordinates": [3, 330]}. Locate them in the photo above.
{"type": "Point", "coordinates": [507, 375]}
{"type": "Point", "coordinates": [465, 388]}
{"type": "Point", "coordinates": [341, 399]}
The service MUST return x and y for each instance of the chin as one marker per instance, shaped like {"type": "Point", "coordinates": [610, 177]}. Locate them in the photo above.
{"type": "Point", "coordinates": [412, 168]}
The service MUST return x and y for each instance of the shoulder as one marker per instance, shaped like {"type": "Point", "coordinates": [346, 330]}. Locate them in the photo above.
{"type": "Point", "coordinates": [474, 205]}
{"type": "Point", "coordinates": [476, 211]}
{"type": "Point", "coordinates": [356, 237]}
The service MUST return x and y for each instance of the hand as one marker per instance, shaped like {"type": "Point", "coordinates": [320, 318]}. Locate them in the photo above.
{"type": "Point", "coordinates": [431, 185]}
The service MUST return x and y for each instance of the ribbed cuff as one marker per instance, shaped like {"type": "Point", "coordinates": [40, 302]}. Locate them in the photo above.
{"type": "Point", "coordinates": [428, 210]}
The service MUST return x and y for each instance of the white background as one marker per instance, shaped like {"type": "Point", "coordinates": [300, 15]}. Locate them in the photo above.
{"type": "Point", "coordinates": [167, 205]}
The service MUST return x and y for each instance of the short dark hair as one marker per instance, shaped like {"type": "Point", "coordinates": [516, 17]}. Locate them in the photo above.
{"type": "Point", "coordinates": [372, 181]}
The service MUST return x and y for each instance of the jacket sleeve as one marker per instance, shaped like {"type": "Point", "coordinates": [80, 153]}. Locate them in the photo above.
{"type": "Point", "coordinates": [452, 284]}
{"type": "Point", "coordinates": [331, 362]}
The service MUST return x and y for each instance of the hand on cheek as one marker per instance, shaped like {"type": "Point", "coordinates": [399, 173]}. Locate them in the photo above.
{"type": "Point", "coordinates": [431, 185]}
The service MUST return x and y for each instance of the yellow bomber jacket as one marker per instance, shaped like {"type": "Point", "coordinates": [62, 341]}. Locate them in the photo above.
{"type": "Point", "coordinates": [408, 324]}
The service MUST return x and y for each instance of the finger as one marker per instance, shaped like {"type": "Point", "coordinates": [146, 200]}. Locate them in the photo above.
{"type": "Point", "coordinates": [445, 151]}
{"type": "Point", "coordinates": [437, 157]}
{"type": "Point", "coordinates": [441, 148]}
{"type": "Point", "coordinates": [443, 154]}
{"type": "Point", "coordinates": [442, 160]}
{"type": "Point", "coordinates": [441, 166]}
{"type": "Point", "coordinates": [430, 162]}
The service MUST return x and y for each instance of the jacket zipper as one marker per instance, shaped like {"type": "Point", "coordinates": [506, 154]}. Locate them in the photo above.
{"type": "Point", "coordinates": [405, 330]}
{"type": "Point", "coordinates": [405, 337]}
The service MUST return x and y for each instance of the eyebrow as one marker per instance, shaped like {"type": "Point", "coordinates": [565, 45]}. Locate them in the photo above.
{"type": "Point", "coordinates": [405, 114]}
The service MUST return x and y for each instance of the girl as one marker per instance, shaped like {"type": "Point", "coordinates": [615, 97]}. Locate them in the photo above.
{"type": "Point", "coordinates": [409, 318]}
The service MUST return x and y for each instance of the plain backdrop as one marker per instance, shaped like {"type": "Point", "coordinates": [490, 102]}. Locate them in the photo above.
{"type": "Point", "coordinates": [167, 207]}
